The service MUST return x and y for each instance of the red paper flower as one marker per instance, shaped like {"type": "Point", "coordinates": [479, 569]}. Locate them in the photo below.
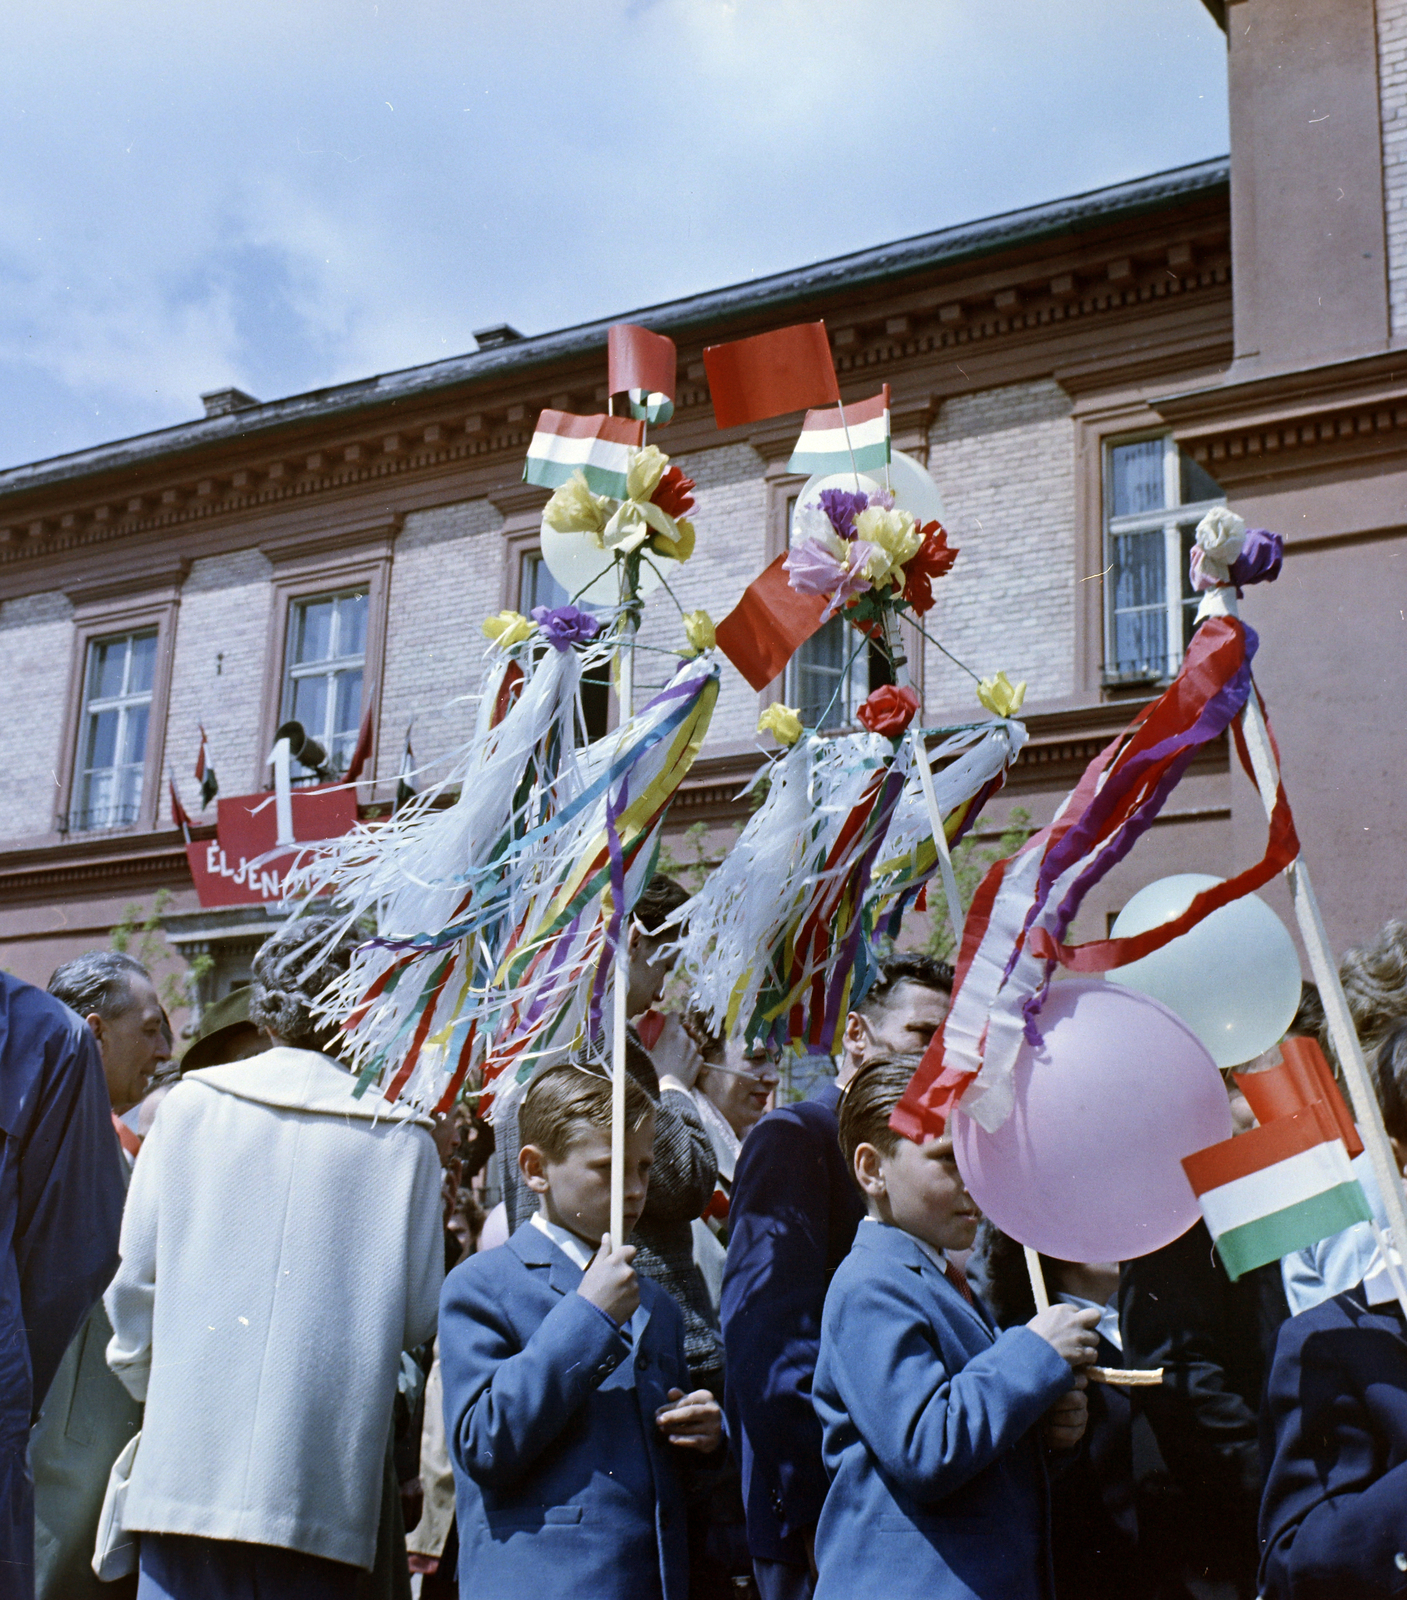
{"type": "Point", "coordinates": [933, 559]}
{"type": "Point", "coordinates": [888, 710]}
{"type": "Point", "coordinates": [672, 493]}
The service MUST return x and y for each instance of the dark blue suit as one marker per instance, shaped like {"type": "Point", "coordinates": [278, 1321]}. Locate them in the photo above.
{"type": "Point", "coordinates": [61, 1194]}
{"type": "Point", "coordinates": [938, 1484]}
{"type": "Point", "coordinates": [791, 1219]}
{"type": "Point", "coordinates": [1333, 1519]}
{"type": "Point", "coordinates": [563, 1484]}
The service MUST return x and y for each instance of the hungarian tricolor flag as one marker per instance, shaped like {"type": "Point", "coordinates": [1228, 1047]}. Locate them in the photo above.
{"type": "Point", "coordinates": [205, 774]}
{"type": "Point", "coordinates": [597, 446]}
{"type": "Point", "coordinates": [1278, 1188]}
{"type": "Point", "coordinates": [642, 367]}
{"type": "Point", "coordinates": [824, 448]}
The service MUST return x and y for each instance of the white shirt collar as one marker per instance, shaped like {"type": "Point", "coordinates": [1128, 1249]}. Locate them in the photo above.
{"type": "Point", "coordinates": [573, 1248]}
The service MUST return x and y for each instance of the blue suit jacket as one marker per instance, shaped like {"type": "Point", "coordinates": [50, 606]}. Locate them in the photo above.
{"type": "Point", "coordinates": [563, 1484]}
{"type": "Point", "coordinates": [938, 1486]}
{"type": "Point", "coordinates": [791, 1219]}
{"type": "Point", "coordinates": [1333, 1519]}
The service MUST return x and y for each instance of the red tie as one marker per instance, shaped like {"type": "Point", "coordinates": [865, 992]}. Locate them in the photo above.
{"type": "Point", "coordinates": [958, 1278]}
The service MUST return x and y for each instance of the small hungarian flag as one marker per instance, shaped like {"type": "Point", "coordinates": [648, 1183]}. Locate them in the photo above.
{"type": "Point", "coordinates": [771, 373]}
{"type": "Point", "coordinates": [598, 446]}
{"type": "Point", "coordinates": [768, 625]}
{"type": "Point", "coordinates": [822, 447]}
{"type": "Point", "coordinates": [205, 775]}
{"type": "Point", "coordinates": [1278, 1188]}
{"type": "Point", "coordinates": [405, 789]}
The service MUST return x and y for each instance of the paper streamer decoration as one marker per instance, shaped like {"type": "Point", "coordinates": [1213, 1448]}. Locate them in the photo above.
{"type": "Point", "coordinates": [1012, 940]}
{"type": "Point", "coordinates": [1105, 1105]}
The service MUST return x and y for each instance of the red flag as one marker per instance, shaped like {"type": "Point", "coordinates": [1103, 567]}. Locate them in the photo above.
{"type": "Point", "coordinates": [639, 359]}
{"type": "Point", "coordinates": [179, 814]}
{"type": "Point", "coordinates": [1302, 1078]}
{"type": "Point", "coordinates": [200, 758]}
{"type": "Point", "coordinates": [362, 753]}
{"type": "Point", "coordinates": [771, 373]}
{"type": "Point", "coordinates": [768, 625]}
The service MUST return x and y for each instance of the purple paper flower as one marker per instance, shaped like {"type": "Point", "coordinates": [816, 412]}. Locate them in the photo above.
{"type": "Point", "coordinates": [1260, 558]}
{"type": "Point", "coordinates": [842, 507]}
{"type": "Point", "coordinates": [564, 626]}
{"type": "Point", "coordinates": [812, 569]}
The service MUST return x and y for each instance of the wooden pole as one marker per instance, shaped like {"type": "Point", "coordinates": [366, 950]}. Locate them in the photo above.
{"type": "Point", "coordinates": [1325, 968]}
{"type": "Point", "coordinates": [621, 975]}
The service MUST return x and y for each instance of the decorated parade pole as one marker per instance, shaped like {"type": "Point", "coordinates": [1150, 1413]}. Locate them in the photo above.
{"type": "Point", "coordinates": [1367, 1112]}
{"type": "Point", "coordinates": [625, 690]}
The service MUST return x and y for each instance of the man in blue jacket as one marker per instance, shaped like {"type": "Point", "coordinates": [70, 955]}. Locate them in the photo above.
{"type": "Point", "coordinates": [60, 1216]}
{"type": "Point", "coordinates": [791, 1220]}
{"type": "Point", "coordinates": [564, 1374]}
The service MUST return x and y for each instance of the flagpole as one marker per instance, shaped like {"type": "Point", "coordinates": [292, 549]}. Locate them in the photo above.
{"type": "Point", "coordinates": [845, 428]}
{"type": "Point", "coordinates": [625, 690]}
{"type": "Point", "coordinates": [1366, 1110]}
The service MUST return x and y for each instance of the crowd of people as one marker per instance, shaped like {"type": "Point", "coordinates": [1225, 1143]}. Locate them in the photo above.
{"type": "Point", "coordinates": [265, 1336]}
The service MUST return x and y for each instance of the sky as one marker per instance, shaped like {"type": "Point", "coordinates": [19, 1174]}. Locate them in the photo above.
{"type": "Point", "coordinates": [285, 194]}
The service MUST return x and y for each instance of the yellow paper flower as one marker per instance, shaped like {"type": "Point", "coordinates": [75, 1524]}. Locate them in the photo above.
{"type": "Point", "coordinates": [781, 722]}
{"type": "Point", "coordinates": [574, 509]}
{"type": "Point", "coordinates": [679, 549]}
{"type": "Point", "coordinates": [1000, 696]}
{"type": "Point", "coordinates": [646, 468]}
{"type": "Point", "coordinates": [698, 629]}
{"type": "Point", "coordinates": [895, 533]}
{"type": "Point", "coordinates": [508, 628]}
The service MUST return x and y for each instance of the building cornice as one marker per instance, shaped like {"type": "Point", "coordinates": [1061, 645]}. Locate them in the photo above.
{"type": "Point", "coordinates": [1280, 424]}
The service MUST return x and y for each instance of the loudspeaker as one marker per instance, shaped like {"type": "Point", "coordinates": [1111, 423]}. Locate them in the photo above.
{"type": "Point", "coordinates": [302, 748]}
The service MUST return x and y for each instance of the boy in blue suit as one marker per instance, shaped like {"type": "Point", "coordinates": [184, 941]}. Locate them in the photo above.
{"type": "Point", "coordinates": [938, 1484]}
{"type": "Point", "coordinates": [563, 1371]}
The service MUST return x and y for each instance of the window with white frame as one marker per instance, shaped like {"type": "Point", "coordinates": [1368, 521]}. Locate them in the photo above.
{"type": "Point", "coordinates": [833, 670]}
{"type": "Point", "coordinates": [112, 739]}
{"type": "Point", "coordinates": [537, 587]}
{"type": "Point", "coordinates": [1154, 497]}
{"type": "Point", "coordinates": [325, 660]}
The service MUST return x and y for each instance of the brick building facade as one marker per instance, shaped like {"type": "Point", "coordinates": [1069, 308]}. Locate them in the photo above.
{"type": "Point", "coordinates": [1070, 374]}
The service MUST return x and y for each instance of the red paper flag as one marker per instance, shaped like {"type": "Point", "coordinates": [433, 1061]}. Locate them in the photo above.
{"type": "Point", "coordinates": [768, 625]}
{"type": "Point", "coordinates": [1302, 1078]}
{"type": "Point", "coordinates": [362, 753]}
{"type": "Point", "coordinates": [179, 815]}
{"type": "Point", "coordinates": [771, 373]}
{"type": "Point", "coordinates": [639, 359]}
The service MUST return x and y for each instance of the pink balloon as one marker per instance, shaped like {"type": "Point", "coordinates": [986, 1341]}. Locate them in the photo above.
{"type": "Point", "coordinates": [1088, 1165]}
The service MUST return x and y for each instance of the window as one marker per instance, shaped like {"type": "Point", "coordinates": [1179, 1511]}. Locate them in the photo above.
{"type": "Point", "coordinates": [1154, 497]}
{"type": "Point", "coordinates": [833, 670]}
{"type": "Point", "coordinates": [537, 587]}
{"type": "Point", "coordinates": [112, 752]}
{"type": "Point", "coordinates": [323, 675]}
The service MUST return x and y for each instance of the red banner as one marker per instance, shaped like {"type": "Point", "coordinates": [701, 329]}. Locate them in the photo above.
{"type": "Point", "coordinates": [242, 865]}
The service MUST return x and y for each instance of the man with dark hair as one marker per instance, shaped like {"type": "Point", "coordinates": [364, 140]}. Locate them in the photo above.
{"type": "Point", "coordinates": [60, 1211]}
{"type": "Point", "coordinates": [117, 999]}
{"type": "Point", "coordinates": [791, 1220]}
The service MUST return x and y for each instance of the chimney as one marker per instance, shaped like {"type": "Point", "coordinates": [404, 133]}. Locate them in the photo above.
{"type": "Point", "coordinates": [492, 338]}
{"type": "Point", "coordinates": [220, 402]}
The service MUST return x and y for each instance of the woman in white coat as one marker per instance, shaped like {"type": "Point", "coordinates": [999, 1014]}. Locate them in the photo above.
{"type": "Point", "coordinates": [281, 1246]}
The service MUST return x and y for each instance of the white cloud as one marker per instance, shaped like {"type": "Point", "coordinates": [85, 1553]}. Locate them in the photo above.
{"type": "Point", "coordinates": [287, 196]}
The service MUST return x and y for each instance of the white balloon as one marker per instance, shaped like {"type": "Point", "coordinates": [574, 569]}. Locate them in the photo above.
{"type": "Point", "coordinates": [1234, 979]}
{"type": "Point", "coordinates": [914, 490]}
{"type": "Point", "coordinates": [588, 574]}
